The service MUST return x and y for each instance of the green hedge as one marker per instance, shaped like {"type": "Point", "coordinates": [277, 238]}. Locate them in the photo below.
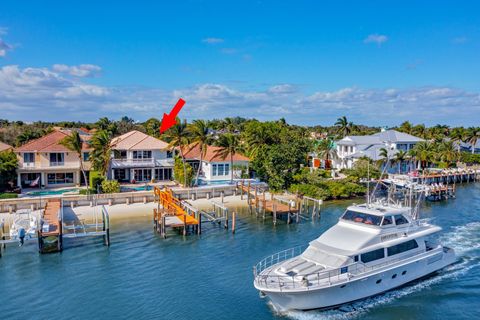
{"type": "Point", "coordinates": [96, 179]}
{"type": "Point", "coordinates": [8, 195]}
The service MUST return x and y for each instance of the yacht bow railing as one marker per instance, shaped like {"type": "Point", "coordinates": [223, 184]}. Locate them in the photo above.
{"type": "Point", "coordinates": [278, 257]}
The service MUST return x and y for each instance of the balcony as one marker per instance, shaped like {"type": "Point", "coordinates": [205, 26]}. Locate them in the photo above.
{"type": "Point", "coordinates": [141, 163]}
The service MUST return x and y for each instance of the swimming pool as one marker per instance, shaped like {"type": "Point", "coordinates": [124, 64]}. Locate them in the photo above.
{"type": "Point", "coordinates": [44, 193]}
{"type": "Point", "coordinates": [139, 188]}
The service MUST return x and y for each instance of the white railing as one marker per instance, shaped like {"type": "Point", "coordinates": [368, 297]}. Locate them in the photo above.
{"type": "Point", "coordinates": [265, 279]}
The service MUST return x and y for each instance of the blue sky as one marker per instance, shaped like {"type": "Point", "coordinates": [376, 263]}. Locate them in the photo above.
{"type": "Point", "coordinates": [307, 61]}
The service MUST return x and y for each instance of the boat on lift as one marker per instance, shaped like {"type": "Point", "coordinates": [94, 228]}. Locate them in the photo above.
{"type": "Point", "coordinates": [374, 247]}
{"type": "Point", "coordinates": [24, 224]}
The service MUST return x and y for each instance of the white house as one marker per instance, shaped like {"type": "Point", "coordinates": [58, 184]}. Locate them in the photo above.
{"type": "Point", "coordinates": [213, 166]}
{"type": "Point", "coordinates": [139, 157]}
{"type": "Point", "coordinates": [351, 148]}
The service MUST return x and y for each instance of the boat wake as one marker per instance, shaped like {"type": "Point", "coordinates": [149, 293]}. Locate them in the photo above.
{"type": "Point", "coordinates": [463, 239]}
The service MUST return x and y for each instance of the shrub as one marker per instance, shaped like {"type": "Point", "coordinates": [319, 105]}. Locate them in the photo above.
{"type": "Point", "coordinates": [110, 186]}
{"type": "Point", "coordinates": [178, 172]}
{"type": "Point", "coordinates": [96, 179]}
{"type": "Point", "coordinates": [8, 195]}
{"type": "Point", "coordinates": [87, 191]}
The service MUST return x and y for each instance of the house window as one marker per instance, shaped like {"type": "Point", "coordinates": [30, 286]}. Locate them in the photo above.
{"type": "Point", "coordinates": [214, 170]}
{"type": "Point", "coordinates": [142, 174]}
{"type": "Point", "coordinates": [120, 154]}
{"type": "Point", "coordinates": [169, 154]}
{"type": "Point", "coordinates": [120, 174]}
{"type": "Point", "coordinates": [402, 247]}
{"type": "Point", "coordinates": [163, 174]}
{"type": "Point", "coordinates": [373, 255]}
{"type": "Point", "coordinates": [56, 159]}
{"type": "Point", "coordinates": [60, 178]}
{"type": "Point", "coordinates": [29, 157]}
{"type": "Point", "coordinates": [227, 169]}
{"type": "Point", "coordinates": [142, 154]}
{"type": "Point", "coordinates": [86, 156]}
{"type": "Point", "coordinates": [220, 169]}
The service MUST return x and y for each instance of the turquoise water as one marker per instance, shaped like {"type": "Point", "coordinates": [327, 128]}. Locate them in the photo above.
{"type": "Point", "coordinates": [210, 276]}
{"type": "Point", "coordinates": [140, 188]}
{"type": "Point", "coordinates": [50, 192]}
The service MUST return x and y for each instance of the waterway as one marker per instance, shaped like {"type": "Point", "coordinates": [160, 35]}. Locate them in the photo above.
{"type": "Point", "coordinates": [210, 276]}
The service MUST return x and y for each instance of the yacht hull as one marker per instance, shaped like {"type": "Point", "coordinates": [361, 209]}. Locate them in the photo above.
{"type": "Point", "coordinates": [361, 287]}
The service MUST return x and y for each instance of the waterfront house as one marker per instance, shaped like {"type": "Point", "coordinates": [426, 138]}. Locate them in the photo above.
{"type": "Point", "coordinates": [214, 167]}
{"type": "Point", "coordinates": [45, 162]}
{"type": "Point", "coordinates": [138, 157]}
{"type": "Point", "coordinates": [5, 147]}
{"type": "Point", "coordinates": [351, 148]}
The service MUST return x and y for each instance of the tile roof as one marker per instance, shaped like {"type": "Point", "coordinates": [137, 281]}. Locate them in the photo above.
{"type": "Point", "coordinates": [379, 138]}
{"type": "Point", "coordinates": [193, 153]}
{"type": "Point", "coordinates": [50, 143]}
{"type": "Point", "coordinates": [4, 146]}
{"type": "Point", "coordinates": [136, 140]}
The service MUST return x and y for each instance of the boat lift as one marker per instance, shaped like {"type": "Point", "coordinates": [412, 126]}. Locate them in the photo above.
{"type": "Point", "coordinates": [51, 227]}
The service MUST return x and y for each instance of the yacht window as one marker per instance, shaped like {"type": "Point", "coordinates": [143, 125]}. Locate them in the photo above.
{"type": "Point", "coordinates": [362, 218]}
{"type": "Point", "coordinates": [402, 247]}
{"type": "Point", "coordinates": [373, 255]}
{"type": "Point", "coordinates": [355, 259]}
{"type": "Point", "coordinates": [387, 220]}
{"type": "Point", "coordinates": [399, 219]}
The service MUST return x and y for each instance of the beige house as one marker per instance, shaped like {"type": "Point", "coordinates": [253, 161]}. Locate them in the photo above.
{"type": "Point", "coordinates": [138, 157]}
{"type": "Point", "coordinates": [45, 162]}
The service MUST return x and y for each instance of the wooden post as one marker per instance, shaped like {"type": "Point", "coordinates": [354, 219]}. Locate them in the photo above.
{"type": "Point", "coordinates": [274, 209]}
{"type": "Point", "coordinates": [184, 224]}
{"type": "Point", "coordinates": [234, 217]}
{"type": "Point", "coordinates": [221, 196]}
{"type": "Point", "coordinates": [225, 213]}
{"type": "Point", "coordinates": [256, 198]}
{"type": "Point", "coordinates": [155, 222]}
{"type": "Point", "coordinates": [288, 217]}
{"type": "Point", "coordinates": [241, 190]}
{"type": "Point", "coordinates": [199, 227]}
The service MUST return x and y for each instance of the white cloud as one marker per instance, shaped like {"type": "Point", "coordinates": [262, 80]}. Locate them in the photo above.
{"type": "Point", "coordinates": [83, 70]}
{"type": "Point", "coordinates": [42, 93]}
{"type": "Point", "coordinates": [376, 38]}
{"type": "Point", "coordinates": [213, 40]}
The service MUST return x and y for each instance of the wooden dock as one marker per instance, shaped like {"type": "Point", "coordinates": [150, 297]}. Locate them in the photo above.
{"type": "Point", "coordinates": [50, 231]}
{"type": "Point", "coordinates": [288, 209]}
{"type": "Point", "coordinates": [174, 213]}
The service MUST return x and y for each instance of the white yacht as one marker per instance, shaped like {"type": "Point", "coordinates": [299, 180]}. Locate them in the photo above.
{"type": "Point", "coordinates": [373, 248]}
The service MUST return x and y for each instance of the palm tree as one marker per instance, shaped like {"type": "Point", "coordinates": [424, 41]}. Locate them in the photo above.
{"type": "Point", "coordinates": [325, 149]}
{"type": "Point", "coordinates": [255, 142]}
{"type": "Point", "coordinates": [179, 137]}
{"type": "Point", "coordinates": [344, 127]}
{"type": "Point", "coordinates": [406, 127]}
{"type": "Point", "coordinates": [74, 142]}
{"type": "Point", "coordinates": [229, 146]}
{"type": "Point", "coordinates": [383, 154]}
{"type": "Point", "coordinates": [473, 134]}
{"type": "Point", "coordinates": [200, 138]}
{"type": "Point", "coordinates": [400, 156]}
{"type": "Point", "coordinates": [458, 135]}
{"type": "Point", "coordinates": [102, 149]}
{"type": "Point", "coordinates": [423, 152]}
{"type": "Point", "coordinates": [447, 152]}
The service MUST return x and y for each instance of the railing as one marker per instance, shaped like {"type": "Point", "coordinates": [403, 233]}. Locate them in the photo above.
{"type": "Point", "coordinates": [141, 160]}
{"type": "Point", "coordinates": [322, 278]}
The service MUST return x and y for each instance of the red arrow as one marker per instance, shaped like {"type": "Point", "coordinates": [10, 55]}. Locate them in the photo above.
{"type": "Point", "coordinates": [168, 120]}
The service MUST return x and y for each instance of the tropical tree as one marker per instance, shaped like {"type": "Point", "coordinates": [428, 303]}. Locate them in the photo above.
{"type": "Point", "coordinates": [423, 151]}
{"type": "Point", "coordinates": [107, 125]}
{"type": "Point", "coordinates": [152, 127]}
{"type": "Point", "coordinates": [200, 138]}
{"type": "Point", "coordinates": [8, 169]}
{"type": "Point", "coordinates": [100, 156]}
{"type": "Point", "coordinates": [472, 136]}
{"type": "Point", "coordinates": [179, 137]}
{"type": "Point", "coordinates": [229, 146]}
{"type": "Point", "coordinates": [257, 137]}
{"type": "Point", "coordinates": [447, 152]}
{"type": "Point", "coordinates": [325, 149]}
{"type": "Point", "coordinates": [384, 157]}
{"type": "Point", "coordinates": [406, 127]}
{"type": "Point", "coordinates": [458, 135]}
{"type": "Point", "coordinates": [400, 156]}
{"type": "Point", "coordinates": [343, 126]}
{"type": "Point", "coordinates": [74, 142]}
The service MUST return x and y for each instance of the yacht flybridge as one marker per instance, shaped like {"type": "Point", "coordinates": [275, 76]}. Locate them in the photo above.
{"type": "Point", "coordinates": [373, 248]}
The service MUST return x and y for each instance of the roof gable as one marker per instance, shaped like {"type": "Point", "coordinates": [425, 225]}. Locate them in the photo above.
{"type": "Point", "coordinates": [136, 140]}
{"type": "Point", "coordinates": [192, 152]}
{"type": "Point", "coordinates": [4, 146]}
{"type": "Point", "coordinates": [49, 143]}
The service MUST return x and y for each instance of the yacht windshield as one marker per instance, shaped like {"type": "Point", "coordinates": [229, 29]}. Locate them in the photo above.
{"type": "Point", "coordinates": [361, 217]}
